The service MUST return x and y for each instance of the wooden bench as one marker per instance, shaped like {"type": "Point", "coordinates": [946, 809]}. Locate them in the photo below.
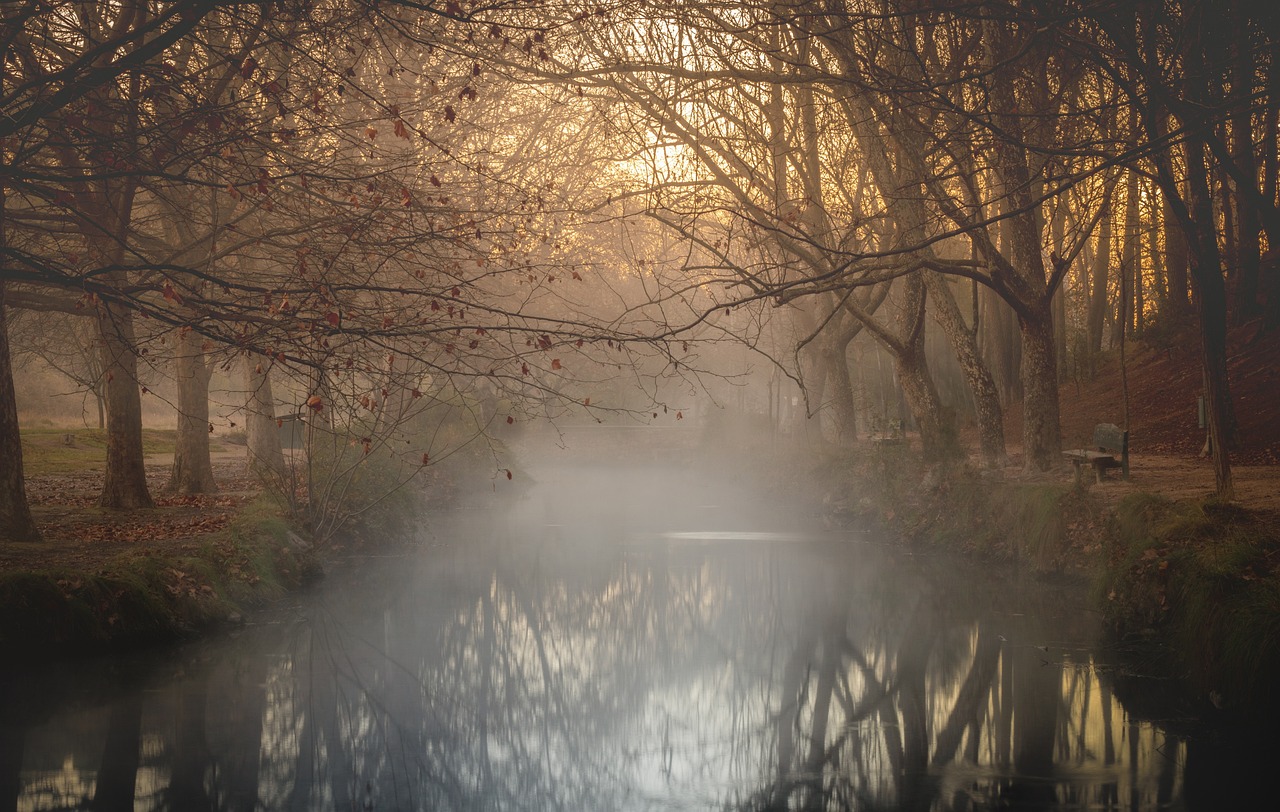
{"type": "Point", "coordinates": [1109, 441]}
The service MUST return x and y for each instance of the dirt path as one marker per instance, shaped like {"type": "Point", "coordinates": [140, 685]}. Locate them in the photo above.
{"type": "Point", "coordinates": [1188, 477]}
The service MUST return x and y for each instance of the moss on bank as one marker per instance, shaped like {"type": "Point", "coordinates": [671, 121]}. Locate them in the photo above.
{"type": "Point", "coordinates": [1049, 526]}
{"type": "Point", "coordinates": [1204, 578]}
{"type": "Point", "coordinates": [152, 596]}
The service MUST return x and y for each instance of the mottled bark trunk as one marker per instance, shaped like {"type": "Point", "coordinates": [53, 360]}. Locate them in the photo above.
{"type": "Point", "coordinates": [922, 399]}
{"type": "Point", "coordinates": [125, 482]}
{"type": "Point", "coordinates": [266, 455]}
{"type": "Point", "coordinates": [1041, 436]}
{"type": "Point", "coordinates": [192, 469]}
{"type": "Point", "coordinates": [16, 522]}
{"type": "Point", "coordinates": [844, 413]}
{"type": "Point", "coordinates": [1041, 440]}
{"type": "Point", "coordinates": [986, 398]}
{"type": "Point", "coordinates": [918, 389]}
{"type": "Point", "coordinates": [1159, 276]}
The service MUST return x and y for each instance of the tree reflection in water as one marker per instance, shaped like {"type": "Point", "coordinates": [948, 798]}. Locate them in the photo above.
{"type": "Point", "coordinates": [508, 672]}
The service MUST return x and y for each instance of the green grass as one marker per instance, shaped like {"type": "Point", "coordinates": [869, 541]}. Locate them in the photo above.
{"type": "Point", "coordinates": [145, 598]}
{"type": "Point", "coordinates": [45, 450]}
{"type": "Point", "coordinates": [1205, 576]}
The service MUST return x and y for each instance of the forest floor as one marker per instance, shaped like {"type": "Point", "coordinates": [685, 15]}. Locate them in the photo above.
{"type": "Point", "coordinates": [79, 535]}
{"type": "Point", "coordinates": [1165, 440]}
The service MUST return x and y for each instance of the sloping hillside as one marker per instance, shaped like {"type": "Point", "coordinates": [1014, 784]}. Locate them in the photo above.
{"type": "Point", "coordinates": [1163, 385]}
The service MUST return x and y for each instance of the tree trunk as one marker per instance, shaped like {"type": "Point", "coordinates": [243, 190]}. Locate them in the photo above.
{"type": "Point", "coordinates": [1001, 344]}
{"type": "Point", "coordinates": [1058, 229]}
{"type": "Point", "coordinates": [1041, 437]}
{"type": "Point", "coordinates": [922, 399]}
{"type": "Point", "coordinates": [986, 398]}
{"type": "Point", "coordinates": [909, 361]}
{"type": "Point", "coordinates": [192, 469]}
{"type": "Point", "coordinates": [16, 522]}
{"type": "Point", "coordinates": [1211, 306]}
{"type": "Point", "coordinates": [843, 411]}
{"type": "Point", "coordinates": [125, 482]}
{"type": "Point", "coordinates": [1099, 284]}
{"type": "Point", "coordinates": [1248, 219]}
{"type": "Point", "coordinates": [815, 368]}
{"type": "Point", "coordinates": [1159, 276]}
{"type": "Point", "coordinates": [1225, 209]}
{"type": "Point", "coordinates": [998, 345]}
{"type": "Point", "coordinates": [1206, 271]}
{"type": "Point", "coordinates": [1176, 263]}
{"type": "Point", "coordinates": [266, 456]}
{"type": "Point", "coordinates": [812, 365]}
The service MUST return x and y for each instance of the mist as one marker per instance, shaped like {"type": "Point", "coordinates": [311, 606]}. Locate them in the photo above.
{"type": "Point", "coordinates": [742, 406]}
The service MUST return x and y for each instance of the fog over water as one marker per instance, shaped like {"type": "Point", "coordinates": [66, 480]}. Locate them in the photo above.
{"type": "Point", "coordinates": [637, 629]}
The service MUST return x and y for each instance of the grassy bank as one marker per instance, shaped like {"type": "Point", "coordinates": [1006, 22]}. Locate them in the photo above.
{"type": "Point", "coordinates": [157, 594]}
{"type": "Point", "coordinates": [1205, 577]}
{"type": "Point", "coordinates": [48, 450]}
{"type": "Point", "coordinates": [1047, 526]}
{"type": "Point", "coordinates": [1201, 577]}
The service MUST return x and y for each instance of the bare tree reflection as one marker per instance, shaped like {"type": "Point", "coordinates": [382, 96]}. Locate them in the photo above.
{"type": "Point", "coordinates": [544, 671]}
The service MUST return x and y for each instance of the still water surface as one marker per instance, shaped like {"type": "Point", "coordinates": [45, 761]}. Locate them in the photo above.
{"type": "Point", "coordinates": [648, 640]}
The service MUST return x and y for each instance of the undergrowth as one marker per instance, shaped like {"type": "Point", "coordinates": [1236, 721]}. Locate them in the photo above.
{"type": "Point", "coordinates": [1206, 576]}
{"type": "Point", "coordinates": [1043, 525]}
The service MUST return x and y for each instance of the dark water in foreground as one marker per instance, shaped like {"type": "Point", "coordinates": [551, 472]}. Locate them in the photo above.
{"type": "Point", "coordinates": [619, 642]}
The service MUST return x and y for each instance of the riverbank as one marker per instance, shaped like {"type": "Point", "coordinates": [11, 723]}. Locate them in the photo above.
{"type": "Point", "coordinates": [1202, 577]}
{"type": "Point", "coordinates": [1197, 582]}
{"type": "Point", "coordinates": [151, 591]}
{"type": "Point", "coordinates": [106, 580]}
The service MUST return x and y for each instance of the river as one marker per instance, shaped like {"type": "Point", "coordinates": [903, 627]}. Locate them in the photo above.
{"type": "Point", "coordinates": [648, 637]}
